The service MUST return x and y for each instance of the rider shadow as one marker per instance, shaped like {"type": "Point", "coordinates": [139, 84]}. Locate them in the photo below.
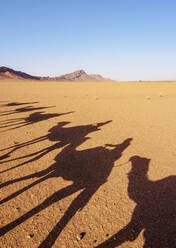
{"type": "Point", "coordinates": [20, 122]}
{"type": "Point", "coordinates": [13, 104]}
{"type": "Point", "coordinates": [31, 119]}
{"type": "Point", "coordinates": [155, 212]}
{"type": "Point", "coordinates": [23, 110]}
{"type": "Point", "coordinates": [18, 103]}
{"type": "Point", "coordinates": [87, 169]}
{"type": "Point", "coordinates": [62, 135]}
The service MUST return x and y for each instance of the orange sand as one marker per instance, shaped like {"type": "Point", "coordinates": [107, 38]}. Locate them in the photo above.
{"type": "Point", "coordinates": [76, 184]}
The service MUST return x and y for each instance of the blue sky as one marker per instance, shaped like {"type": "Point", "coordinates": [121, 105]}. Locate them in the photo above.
{"type": "Point", "coordinates": [120, 39]}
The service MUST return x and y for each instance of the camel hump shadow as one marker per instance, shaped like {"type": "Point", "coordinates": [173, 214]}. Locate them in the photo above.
{"type": "Point", "coordinates": [88, 167]}
{"type": "Point", "coordinates": [73, 135]}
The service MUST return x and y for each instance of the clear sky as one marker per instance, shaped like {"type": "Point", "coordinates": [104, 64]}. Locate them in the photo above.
{"type": "Point", "coordinates": [120, 39]}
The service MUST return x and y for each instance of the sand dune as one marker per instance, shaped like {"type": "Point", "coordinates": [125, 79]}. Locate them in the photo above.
{"type": "Point", "coordinates": [87, 165]}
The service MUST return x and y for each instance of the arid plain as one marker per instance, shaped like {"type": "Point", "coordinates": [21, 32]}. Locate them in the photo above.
{"type": "Point", "coordinates": [87, 165]}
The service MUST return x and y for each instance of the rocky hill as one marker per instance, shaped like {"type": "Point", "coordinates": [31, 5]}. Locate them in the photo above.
{"type": "Point", "coordinates": [80, 75]}
{"type": "Point", "coordinates": [8, 73]}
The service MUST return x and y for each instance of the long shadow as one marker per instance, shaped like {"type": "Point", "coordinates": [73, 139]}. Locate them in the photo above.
{"type": "Point", "coordinates": [155, 212]}
{"type": "Point", "coordinates": [59, 133]}
{"type": "Point", "coordinates": [20, 122]}
{"type": "Point", "coordinates": [31, 119]}
{"type": "Point", "coordinates": [87, 169]}
{"type": "Point", "coordinates": [63, 136]}
{"type": "Point", "coordinates": [18, 103]}
{"type": "Point", "coordinates": [14, 104]}
{"type": "Point", "coordinates": [22, 110]}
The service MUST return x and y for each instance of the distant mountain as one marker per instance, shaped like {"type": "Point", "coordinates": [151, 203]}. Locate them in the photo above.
{"type": "Point", "coordinates": [77, 76]}
{"type": "Point", "coordinates": [7, 73]}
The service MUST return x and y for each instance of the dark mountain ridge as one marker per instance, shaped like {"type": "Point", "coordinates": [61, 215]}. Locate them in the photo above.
{"type": "Point", "coordinates": [79, 75]}
{"type": "Point", "coordinates": [12, 74]}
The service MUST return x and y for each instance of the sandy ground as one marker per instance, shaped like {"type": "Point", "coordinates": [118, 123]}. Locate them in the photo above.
{"type": "Point", "coordinates": [87, 164]}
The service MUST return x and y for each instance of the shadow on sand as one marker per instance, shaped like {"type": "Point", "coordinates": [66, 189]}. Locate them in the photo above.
{"type": "Point", "coordinates": [35, 117]}
{"type": "Point", "coordinates": [18, 103]}
{"type": "Point", "coordinates": [87, 169]}
{"type": "Point", "coordinates": [22, 110]}
{"type": "Point", "coordinates": [155, 210]}
{"type": "Point", "coordinates": [31, 119]}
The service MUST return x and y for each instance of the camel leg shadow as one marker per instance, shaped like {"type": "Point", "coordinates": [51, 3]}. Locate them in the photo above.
{"type": "Point", "coordinates": [77, 204]}
{"type": "Point", "coordinates": [57, 196]}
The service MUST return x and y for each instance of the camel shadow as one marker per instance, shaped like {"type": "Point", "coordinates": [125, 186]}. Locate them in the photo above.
{"type": "Point", "coordinates": [155, 212]}
{"type": "Point", "coordinates": [11, 104]}
{"type": "Point", "coordinates": [31, 119]}
{"type": "Point", "coordinates": [20, 122]}
{"type": "Point", "coordinates": [87, 169]}
{"type": "Point", "coordinates": [18, 103]}
{"type": "Point", "coordinates": [23, 110]}
{"type": "Point", "coordinates": [63, 136]}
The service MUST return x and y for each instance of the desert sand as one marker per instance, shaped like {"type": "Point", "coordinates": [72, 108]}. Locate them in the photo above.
{"type": "Point", "coordinates": [87, 165]}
